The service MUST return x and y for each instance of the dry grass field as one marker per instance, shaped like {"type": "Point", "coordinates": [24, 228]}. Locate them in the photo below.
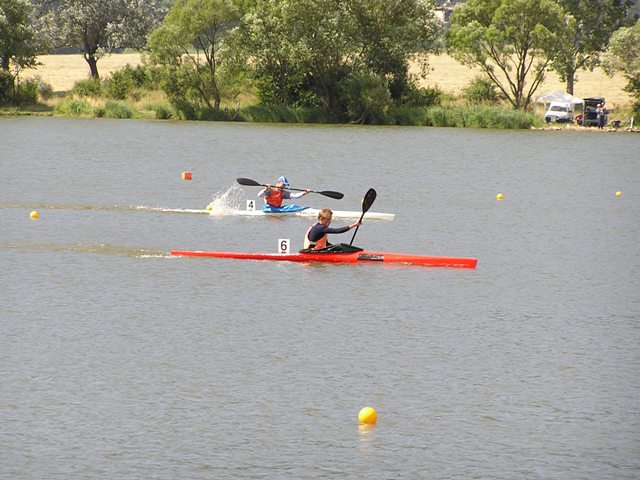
{"type": "Point", "coordinates": [452, 77]}
{"type": "Point", "coordinates": [62, 71]}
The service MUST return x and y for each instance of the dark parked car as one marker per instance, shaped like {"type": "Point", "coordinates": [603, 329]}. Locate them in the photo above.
{"type": "Point", "coordinates": [590, 118]}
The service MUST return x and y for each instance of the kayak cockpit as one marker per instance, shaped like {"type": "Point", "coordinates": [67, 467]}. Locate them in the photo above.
{"type": "Point", "coordinates": [337, 248]}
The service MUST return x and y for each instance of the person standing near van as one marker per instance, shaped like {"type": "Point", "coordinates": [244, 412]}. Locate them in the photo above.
{"type": "Point", "coordinates": [601, 114]}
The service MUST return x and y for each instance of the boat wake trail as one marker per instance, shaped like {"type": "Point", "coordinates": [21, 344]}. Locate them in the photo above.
{"type": "Point", "coordinates": [223, 203]}
{"type": "Point", "coordinates": [104, 208]}
{"type": "Point", "coordinates": [102, 249]}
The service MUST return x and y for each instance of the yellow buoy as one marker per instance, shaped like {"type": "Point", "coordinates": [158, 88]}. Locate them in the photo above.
{"type": "Point", "coordinates": [618, 193]}
{"type": "Point", "coordinates": [368, 415]}
{"type": "Point", "coordinates": [209, 207]}
{"type": "Point", "coordinates": [34, 214]}
{"type": "Point", "coordinates": [499, 196]}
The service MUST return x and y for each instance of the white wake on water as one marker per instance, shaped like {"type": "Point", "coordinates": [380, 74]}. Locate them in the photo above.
{"type": "Point", "coordinates": [222, 203]}
{"type": "Point", "coordinates": [228, 201]}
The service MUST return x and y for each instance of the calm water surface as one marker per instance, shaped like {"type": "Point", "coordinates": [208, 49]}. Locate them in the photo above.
{"type": "Point", "coordinates": [118, 361]}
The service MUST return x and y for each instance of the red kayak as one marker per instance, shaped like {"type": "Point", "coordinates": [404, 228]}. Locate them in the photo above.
{"type": "Point", "coordinates": [358, 256]}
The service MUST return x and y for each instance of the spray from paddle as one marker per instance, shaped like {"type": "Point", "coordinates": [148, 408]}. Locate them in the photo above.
{"type": "Point", "coordinates": [228, 201]}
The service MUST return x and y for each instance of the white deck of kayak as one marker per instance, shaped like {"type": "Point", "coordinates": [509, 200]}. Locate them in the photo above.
{"type": "Point", "coordinates": [309, 212]}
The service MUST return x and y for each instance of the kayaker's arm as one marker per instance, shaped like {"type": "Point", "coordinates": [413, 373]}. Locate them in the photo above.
{"type": "Point", "coordinates": [262, 193]}
{"type": "Point", "coordinates": [319, 230]}
{"type": "Point", "coordinates": [288, 195]}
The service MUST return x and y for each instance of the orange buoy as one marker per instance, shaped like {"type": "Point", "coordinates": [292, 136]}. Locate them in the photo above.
{"type": "Point", "coordinates": [186, 175]}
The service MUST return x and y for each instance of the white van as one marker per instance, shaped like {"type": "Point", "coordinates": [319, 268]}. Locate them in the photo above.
{"type": "Point", "coordinates": [559, 112]}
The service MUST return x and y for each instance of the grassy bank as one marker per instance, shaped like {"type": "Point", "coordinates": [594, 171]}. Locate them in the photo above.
{"type": "Point", "coordinates": [453, 116]}
{"type": "Point", "coordinates": [63, 71]}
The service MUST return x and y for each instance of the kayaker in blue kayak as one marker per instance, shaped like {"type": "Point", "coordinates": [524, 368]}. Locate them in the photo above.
{"type": "Point", "coordinates": [274, 194]}
{"type": "Point", "coordinates": [316, 236]}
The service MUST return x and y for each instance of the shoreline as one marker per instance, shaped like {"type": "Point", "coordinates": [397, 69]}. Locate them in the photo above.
{"type": "Point", "coordinates": [63, 70]}
{"type": "Point", "coordinates": [572, 128]}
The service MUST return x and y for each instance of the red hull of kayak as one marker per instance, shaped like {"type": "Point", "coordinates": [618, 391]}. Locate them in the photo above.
{"type": "Point", "coordinates": [352, 257]}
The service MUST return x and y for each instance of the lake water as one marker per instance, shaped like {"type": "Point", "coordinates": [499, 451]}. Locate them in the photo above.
{"type": "Point", "coordinates": [119, 361]}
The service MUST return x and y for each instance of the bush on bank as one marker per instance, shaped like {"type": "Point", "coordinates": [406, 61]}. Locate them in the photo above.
{"type": "Point", "coordinates": [23, 92]}
{"type": "Point", "coordinates": [74, 108]}
{"type": "Point", "coordinates": [116, 109]}
{"type": "Point", "coordinates": [126, 83]}
{"type": "Point", "coordinates": [463, 117]}
{"type": "Point", "coordinates": [78, 107]}
{"type": "Point", "coordinates": [460, 117]}
{"type": "Point", "coordinates": [481, 117]}
{"type": "Point", "coordinates": [278, 114]}
{"type": "Point", "coordinates": [480, 91]}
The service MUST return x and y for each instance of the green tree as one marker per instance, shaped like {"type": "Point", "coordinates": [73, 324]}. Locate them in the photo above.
{"type": "Point", "coordinates": [325, 30]}
{"type": "Point", "coordinates": [188, 47]}
{"type": "Point", "coordinates": [511, 41]}
{"type": "Point", "coordinates": [623, 55]}
{"type": "Point", "coordinates": [97, 27]}
{"type": "Point", "coordinates": [270, 46]}
{"type": "Point", "coordinates": [391, 35]}
{"type": "Point", "coordinates": [588, 26]}
{"type": "Point", "coordinates": [18, 48]}
{"type": "Point", "coordinates": [367, 98]}
{"type": "Point", "coordinates": [300, 52]}
{"type": "Point", "coordinates": [310, 52]}
{"type": "Point", "coordinates": [18, 45]}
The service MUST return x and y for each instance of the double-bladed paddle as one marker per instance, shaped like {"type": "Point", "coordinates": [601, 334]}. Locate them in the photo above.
{"type": "Point", "coordinates": [368, 200]}
{"type": "Point", "coordinates": [252, 183]}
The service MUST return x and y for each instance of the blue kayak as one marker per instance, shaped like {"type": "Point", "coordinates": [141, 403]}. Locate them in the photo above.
{"type": "Point", "coordinates": [283, 209]}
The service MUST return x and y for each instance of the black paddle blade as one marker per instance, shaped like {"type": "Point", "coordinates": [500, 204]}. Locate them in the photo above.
{"type": "Point", "coordinates": [329, 193]}
{"type": "Point", "coordinates": [367, 201]}
{"type": "Point", "coordinates": [369, 198]}
{"type": "Point", "coordinates": [248, 182]}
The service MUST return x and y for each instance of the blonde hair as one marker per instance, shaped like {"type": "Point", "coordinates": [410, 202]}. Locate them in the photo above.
{"type": "Point", "coordinates": [325, 214]}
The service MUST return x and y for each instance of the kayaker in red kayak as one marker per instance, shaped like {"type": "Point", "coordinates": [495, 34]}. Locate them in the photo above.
{"type": "Point", "coordinates": [274, 194]}
{"type": "Point", "coordinates": [316, 236]}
